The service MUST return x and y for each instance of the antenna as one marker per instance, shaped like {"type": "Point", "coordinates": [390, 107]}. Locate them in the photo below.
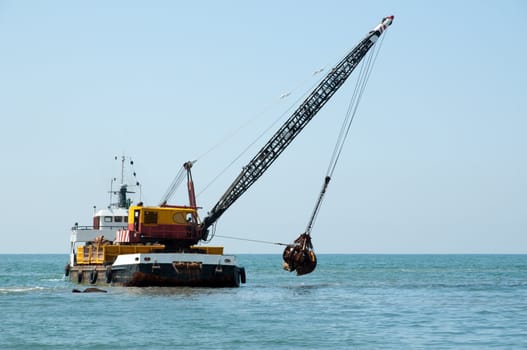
{"type": "Point", "coordinates": [122, 169]}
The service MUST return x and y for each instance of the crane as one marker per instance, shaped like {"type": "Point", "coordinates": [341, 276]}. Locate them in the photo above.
{"type": "Point", "coordinates": [179, 227]}
{"type": "Point", "coordinates": [293, 126]}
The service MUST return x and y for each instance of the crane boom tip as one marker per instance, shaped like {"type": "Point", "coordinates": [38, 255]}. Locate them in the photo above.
{"type": "Point", "coordinates": [385, 23]}
{"type": "Point", "coordinates": [387, 20]}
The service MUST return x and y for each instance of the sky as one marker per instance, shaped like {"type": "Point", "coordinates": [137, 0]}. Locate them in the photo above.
{"type": "Point", "coordinates": [436, 160]}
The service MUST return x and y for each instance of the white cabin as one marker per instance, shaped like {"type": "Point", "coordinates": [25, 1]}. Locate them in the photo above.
{"type": "Point", "coordinates": [106, 222]}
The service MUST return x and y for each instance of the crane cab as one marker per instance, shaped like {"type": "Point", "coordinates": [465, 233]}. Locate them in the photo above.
{"type": "Point", "coordinates": [173, 225]}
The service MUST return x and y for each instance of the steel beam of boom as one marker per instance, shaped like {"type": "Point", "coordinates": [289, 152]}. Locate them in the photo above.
{"type": "Point", "coordinates": [294, 125]}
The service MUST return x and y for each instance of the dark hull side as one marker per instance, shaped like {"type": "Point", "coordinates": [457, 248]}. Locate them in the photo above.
{"type": "Point", "coordinates": [159, 275]}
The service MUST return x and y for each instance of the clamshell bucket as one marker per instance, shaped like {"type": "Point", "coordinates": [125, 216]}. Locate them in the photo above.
{"type": "Point", "coordinates": [300, 257]}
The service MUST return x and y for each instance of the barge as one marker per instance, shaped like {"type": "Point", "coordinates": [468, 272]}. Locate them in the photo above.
{"type": "Point", "coordinates": [137, 245]}
{"type": "Point", "coordinates": [140, 246]}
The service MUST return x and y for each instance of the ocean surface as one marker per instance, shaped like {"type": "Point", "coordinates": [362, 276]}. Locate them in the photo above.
{"type": "Point", "coordinates": [349, 302]}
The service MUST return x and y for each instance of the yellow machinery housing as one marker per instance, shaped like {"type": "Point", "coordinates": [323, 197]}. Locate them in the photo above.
{"type": "Point", "coordinates": [107, 253]}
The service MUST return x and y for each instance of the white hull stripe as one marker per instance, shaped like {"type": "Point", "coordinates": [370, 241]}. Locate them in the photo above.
{"type": "Point", "coordinates": [169, 258]}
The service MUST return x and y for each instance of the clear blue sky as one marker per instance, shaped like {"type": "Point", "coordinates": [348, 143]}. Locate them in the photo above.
{"type": "Point", "coordinates": [436, 161]}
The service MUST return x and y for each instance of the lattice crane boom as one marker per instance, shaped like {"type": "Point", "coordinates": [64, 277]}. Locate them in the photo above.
{"type": "Point", "coordinates": [294, 125]}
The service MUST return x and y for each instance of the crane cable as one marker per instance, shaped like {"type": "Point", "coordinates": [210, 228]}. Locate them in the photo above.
{"type": "Point", "coordinates": [264, 111]}
{"type": "Point", "coordinates": [362, 80]}
{"type": "Point", "coordinates": [364, 75]}
{"type": "Point", "coordinates": [262, 134]}
{"type": "Point", "coordinates": [252, 240]}
{"type": "Point", "coordinates": [213, 234]}
{"type": "Point", "coordinates": [180, 176]}
{"type": "Point", "coordinates": [178, 179]}
{"type": "Point", "coordinates": [300, 255]}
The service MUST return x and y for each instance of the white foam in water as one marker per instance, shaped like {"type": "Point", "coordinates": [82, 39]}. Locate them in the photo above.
{"type": "Point", "coordinates": [15, 289]}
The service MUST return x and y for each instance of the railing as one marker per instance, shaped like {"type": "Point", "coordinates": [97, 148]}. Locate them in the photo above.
{"type": "Point", "coordinates": [85, 228]}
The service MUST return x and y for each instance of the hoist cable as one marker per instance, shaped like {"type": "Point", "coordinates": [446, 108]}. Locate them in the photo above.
{"type": "Point", "coordinates": [346, 120]}
{"type": "Point", "coordinates": [252, 240]}
{"type": "Point", "coordinates": [362, 80]}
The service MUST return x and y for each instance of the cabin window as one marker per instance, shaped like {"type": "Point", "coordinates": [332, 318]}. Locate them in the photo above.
{"type": "Point", "coordinates": [150, 217]}
{"type": "Point", "coordinates": [125, 218]}
{"type": "Point", "coordinates": [137, 213]}
{"type": "Point", "coordinates": [179, 218]}
{"type": "Point", "coordinates": [107, 219]}
{"type": "Point", "coordinates": [118, 219]}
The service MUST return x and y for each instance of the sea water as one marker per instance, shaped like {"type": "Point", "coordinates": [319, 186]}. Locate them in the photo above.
{"type": "Point", "coordinates": [348, 302]}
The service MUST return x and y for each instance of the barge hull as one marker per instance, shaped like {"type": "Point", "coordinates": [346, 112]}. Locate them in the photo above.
{"type": "Point", "coordinates": [174, 273]}
{"type": "Point", "coordinates": [167, 275]}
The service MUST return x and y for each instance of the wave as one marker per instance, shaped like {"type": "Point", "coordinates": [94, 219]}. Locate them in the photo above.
{"type": "Point", "coordinates": [17, 289]}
